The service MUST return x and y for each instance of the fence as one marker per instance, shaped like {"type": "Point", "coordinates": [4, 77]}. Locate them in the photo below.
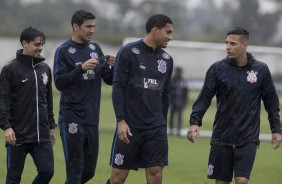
{"type": "Point", "coordinates": [196, 57]}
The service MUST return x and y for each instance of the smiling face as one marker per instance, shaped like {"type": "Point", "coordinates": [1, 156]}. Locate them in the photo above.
{"type": "Point", "coordinates": [235, 47]}
{"type": "Point", "coordinates": [33, 48]}
{"type": "Point", "coordinates": [85, 32]}
{"type": "Point", "coordinates": [159, 28]}
{"type": "Point", "coordinates": [163, 36]}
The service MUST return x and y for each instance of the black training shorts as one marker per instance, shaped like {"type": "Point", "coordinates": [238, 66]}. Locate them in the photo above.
{"type": "Point", "coordinates": [224, 160]}
{"type": "Point", "coordinates": [147, 148]}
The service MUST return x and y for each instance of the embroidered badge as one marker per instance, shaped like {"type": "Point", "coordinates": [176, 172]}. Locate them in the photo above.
{"type": "Point", "coordinates": [165, 55]}
{"type": "Point", "coordinates": [93, 55]}
{"type": "Point", "coordinates": [135, 50]}
{"type": "Point", "coordinates": [91, 46]}
{"type": "Point", "coordinates": [45, 78]}
{"type": "Point", "coordinates": [252, 76]}
{"type": "Point", "coordinates": [72, 50]}
{"type": "Point", "coordinates": [73, 128]}
{"type": "Point", "coordinates": [119, 159]}
{"type": "Point", "coordinates": [210, 169]}
{"type": "Point", "coordinates": [161, 66]}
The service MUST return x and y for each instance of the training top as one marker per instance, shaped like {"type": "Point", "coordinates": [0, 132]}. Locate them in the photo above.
{"type": "Point", "coordinates": [80, 91]}
{"type": "Point", "coordinates": [239, 91]}
{"type": "Point", "coordinates": [141, 85]}
{"type": "Point", "coordinates": [26, 101]}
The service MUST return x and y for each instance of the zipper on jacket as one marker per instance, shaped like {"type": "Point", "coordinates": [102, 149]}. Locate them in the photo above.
{"type": "Point", "coordinates": [37, 108]}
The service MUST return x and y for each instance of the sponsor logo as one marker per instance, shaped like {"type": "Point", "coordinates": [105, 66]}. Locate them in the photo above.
{"type": "Point", "coordinates": [135, 50]}
{"type": "Point", "coordinates": [24, 80]}
{"type": "Point", "coordinates": [142, 67]}
{"type": "Point", "coordinates": [210, 170]}
{"type": "Point", "coordinates": [78, 63]}
{"type": "Point", "coordinates": [252, 76]}
{"type": "Point", "coordinates": [162, 66]}
{"type": "Point", "coordinates": [91, 46]}
{"type": "Point", "coordinates": [72, 128]}
{"type": "Point", "coordinates": [165, 55]}
{"type": "Point", "coordinates": [150, 83]}
{"type": "Point", "coordinates": [119, 159]}
{"type": "Point", "coordinates": [45, 78]}
{"type": "Point", "coordinates": [89, 75]}
{"type": "Point", "coordinates": [72, 50]}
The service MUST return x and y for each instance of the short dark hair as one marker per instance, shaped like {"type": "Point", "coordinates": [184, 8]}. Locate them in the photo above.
{"type": "Point", "coordinates": [157, 20]}
{"type": "Point", "coordinates": [243, 33]}
{"type": "Point", "coordinates": [30, 34]}
{"type": "Point", "coordinates": [80, 16]}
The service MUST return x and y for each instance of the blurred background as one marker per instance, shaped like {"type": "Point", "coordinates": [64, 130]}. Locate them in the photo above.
{"type": "Point", "coordinates": [194, 20]}
{"type": "Point", "coordinates": [199, 28]}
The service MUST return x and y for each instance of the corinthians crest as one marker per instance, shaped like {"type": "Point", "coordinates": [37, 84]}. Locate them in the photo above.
{"type": "Point", "coordinates": [252, 76]}
{"type": "Point", "coordinates": [45, 78]}
{"type": "Point", "coordinates": [161, 66]}
{"type": "Point", "coordinates": [119, 159]}
{"type": "Point", "coordinates": [72, 128]}
{"type": "Point", "coordinates": [210, 169]}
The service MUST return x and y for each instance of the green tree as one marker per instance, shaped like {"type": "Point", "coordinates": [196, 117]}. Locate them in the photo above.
{"type": "Point", "coordinates": [9, 11]}
{"type": "Point", "coordinates": [262, 27]}
{"type": "Point", "coordinates": [208, 22]}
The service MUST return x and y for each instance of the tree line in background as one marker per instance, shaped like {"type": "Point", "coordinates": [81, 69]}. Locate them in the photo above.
{"type": "Point", "coordinates": [120, 18]}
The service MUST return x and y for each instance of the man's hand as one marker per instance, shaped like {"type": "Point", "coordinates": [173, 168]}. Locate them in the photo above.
{"type": "Point", "coordinates": [111, 61]}
{"type": "Point", "coordinates": [10, 136]}
{"type": "Point", "coordinates": [194, 130]}
{"type": "Point", "coordinates": [90, 64]}
{"type": "Point", "coordinates": [123, 131]}
{"type": "Point", "coordinates": [53, 136]}
{"type": "Point", "coordinates": [276, 140]}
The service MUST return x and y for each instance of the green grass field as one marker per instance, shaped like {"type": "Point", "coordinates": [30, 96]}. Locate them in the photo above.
{"type": "Point", "coordinates": [187, 161]}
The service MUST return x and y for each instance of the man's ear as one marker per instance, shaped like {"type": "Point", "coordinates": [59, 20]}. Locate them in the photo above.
{"type": "Point", "coordinates": [24, 43]}
{"type": "Point", "coordinates": [245, 44]}
{"type": "Point", "coordinates": [155, 29]}
{"type": "Point", "coordinates": [75, 27]}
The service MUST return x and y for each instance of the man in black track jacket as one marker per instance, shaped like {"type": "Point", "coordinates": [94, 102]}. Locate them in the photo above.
{"type": "Point", "coordinates": [79, 67]}
{"type": "Point", "coordinates": [26, 109]}
{"type": "Point", "coordinates": [239, 82]}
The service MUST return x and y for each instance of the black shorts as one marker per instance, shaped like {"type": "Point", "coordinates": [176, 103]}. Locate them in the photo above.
{"type": "Point", "coordinates": [224, 160]}
{"type": "Point", "coordinates": [147, 148]}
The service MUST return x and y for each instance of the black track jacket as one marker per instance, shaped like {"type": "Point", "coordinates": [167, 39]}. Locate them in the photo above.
{"type": "Point", "coordinates": [80, 91]}
{"type": "Point", "coordinates": [26, 103]}
{"type": "Point", "coordinates": [141, 85]}
{"type": "Point", "coordinates": [239, 91]}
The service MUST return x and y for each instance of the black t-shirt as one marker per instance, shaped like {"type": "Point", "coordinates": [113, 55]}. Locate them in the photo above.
{"type": "Point", "coordinates": [141, 85]}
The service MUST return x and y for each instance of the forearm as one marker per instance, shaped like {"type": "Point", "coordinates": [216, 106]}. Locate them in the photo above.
{"type": "Point", "coordinates": [63, 80]}
{"type": "Point", "coordinates": [108, 75]}
{"type": "Point", "coordinates": [118, 100]}
{"type": "Point", "coordinates": [5, 106]}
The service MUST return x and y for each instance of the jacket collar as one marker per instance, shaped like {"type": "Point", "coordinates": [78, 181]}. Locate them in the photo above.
{"type": "Point", "coordinates": [250, 57]}
{"type": "Point", "coordinates": [28, 60]}
{"type": "Point", "coordinates": [148, 48]}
